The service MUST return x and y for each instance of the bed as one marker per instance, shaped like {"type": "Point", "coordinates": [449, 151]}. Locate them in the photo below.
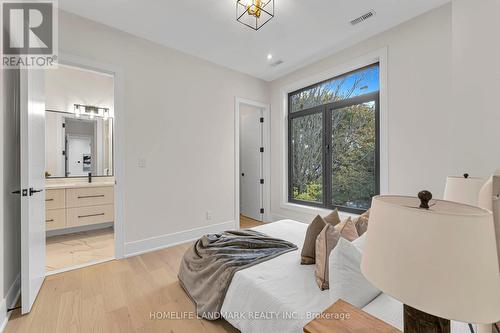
{"type": "Point", "coordinates": [280, 295]}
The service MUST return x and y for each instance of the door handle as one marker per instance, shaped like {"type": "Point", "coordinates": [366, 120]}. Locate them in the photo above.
{"type": "Point", "coordinates": [33, 191]}
{"type": "Point", "coordinates": [23, 192]}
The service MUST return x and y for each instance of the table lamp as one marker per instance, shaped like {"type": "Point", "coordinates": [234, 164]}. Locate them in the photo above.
{"type": "Point", "coordinates": [463, 189]}
{"type": "Point", "coordinates": [437, 257]}
{"type": "Point", "coordinates": [489, 198]}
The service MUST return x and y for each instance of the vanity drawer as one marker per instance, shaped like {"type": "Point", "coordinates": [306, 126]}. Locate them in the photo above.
{"type": "Point", "coordinates": [55, 219]}
{"type": "Point", "coordinates": [89, 215]}
{"type": "Point", "coordinates": [92, 196]}
{"type": "Point", "coordinates": [55, 199]}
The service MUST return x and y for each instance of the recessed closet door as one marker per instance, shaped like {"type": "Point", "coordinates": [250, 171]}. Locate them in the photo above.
{"type": "Point", "coordinates": [251, 162]}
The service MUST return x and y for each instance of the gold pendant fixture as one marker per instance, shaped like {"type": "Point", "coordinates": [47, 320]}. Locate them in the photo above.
{"type": "Point", "coordinates": [254, 13]}
{"type": "Point", "coordinates": [254, 9]}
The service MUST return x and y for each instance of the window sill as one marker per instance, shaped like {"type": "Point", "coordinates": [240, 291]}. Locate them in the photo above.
{"type": "Point", "coordinates": [312, 210]}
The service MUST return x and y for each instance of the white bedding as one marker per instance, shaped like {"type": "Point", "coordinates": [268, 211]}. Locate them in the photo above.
{"type": "Point", "coordinates": [280, 295]}
{"type": "Point", "coordinates": [280, 285]}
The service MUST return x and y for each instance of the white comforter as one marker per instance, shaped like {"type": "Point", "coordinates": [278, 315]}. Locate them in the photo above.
{"type": "Point", "coordinates": [281, 296]}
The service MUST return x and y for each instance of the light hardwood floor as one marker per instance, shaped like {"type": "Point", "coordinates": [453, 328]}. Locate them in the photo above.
{"type": "Point", "coordinates": [246, 222]}
{"type": "Point", "coordinates": [117, 296]}
{"type": "Point", "coordinates": [79, 248]}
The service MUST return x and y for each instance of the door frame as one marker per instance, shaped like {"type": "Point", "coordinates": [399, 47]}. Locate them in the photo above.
{"type": "Point", "coordinates": [118, 138]}
{"type": "Point", "coordinates": [266, 165]}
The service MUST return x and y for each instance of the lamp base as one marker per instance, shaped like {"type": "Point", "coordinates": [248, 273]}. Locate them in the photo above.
{"type": "Point", "coordinates": [416, 321]}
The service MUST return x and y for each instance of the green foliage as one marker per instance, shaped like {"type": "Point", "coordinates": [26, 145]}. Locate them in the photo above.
{"type": "Point", "coordinates": [353, 155]}
{"type": "Point", "coordinates": [312, 192]}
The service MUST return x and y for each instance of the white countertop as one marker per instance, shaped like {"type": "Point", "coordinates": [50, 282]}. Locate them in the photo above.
{"type": "Point", "coordinates": [77, 185]}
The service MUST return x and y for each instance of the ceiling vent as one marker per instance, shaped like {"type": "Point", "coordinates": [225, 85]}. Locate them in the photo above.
{"type": "Point", "coordinates": [363, 17]}
{"type": "Point", "coordinates": [277, 63]}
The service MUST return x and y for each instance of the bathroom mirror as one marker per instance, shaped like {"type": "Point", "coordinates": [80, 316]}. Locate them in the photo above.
{"type": "Point", "coordinates": [78, 145]}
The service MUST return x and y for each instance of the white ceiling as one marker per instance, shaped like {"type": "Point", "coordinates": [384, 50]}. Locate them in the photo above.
{"type": "Point", "coordinates": [301, 32]}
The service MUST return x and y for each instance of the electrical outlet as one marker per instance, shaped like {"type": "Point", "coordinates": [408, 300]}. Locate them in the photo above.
{"type": "Point", "coordinates": [209, 215]}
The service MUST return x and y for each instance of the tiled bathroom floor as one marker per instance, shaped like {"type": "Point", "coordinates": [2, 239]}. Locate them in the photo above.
{"type": "Point", "coordinates": [79, 248]}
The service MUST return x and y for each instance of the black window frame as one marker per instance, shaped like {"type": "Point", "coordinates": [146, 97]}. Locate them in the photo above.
{"type": "Point", "coordinates": [326, 110]}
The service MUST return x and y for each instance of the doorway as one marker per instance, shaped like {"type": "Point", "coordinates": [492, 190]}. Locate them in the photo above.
{"type": "Point", "coordinates": [79, 178]}
{"type": "Point", "coordinates": [79, 161]}
{"type": "Point", "coordinates": [252, 121]}
{"type": "Point", "coordinates": [251, 162]}
{"type": "Point", "coordinates": [73, 205]}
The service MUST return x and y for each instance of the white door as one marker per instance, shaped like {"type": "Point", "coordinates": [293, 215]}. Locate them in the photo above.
{"type": "Point", "coordinates": [32, 131]}
{"type": "Point", "coordinates": [79, 155]}
{"type": "Point", "coordinates": [251, 159]}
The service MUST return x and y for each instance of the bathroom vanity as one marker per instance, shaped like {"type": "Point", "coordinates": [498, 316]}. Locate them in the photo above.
{"type": "Point", "coordinates": [72, 203]}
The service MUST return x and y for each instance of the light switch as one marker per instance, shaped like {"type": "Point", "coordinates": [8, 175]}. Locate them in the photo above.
{"type": "Point", "coordinates": [141, 162]}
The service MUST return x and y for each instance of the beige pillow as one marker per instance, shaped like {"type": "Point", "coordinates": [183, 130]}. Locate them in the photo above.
{"type": "Point", "coordinates": [362, 222]}
{"type": "Point", "coordinates": [333, 218]}
{"type": "Point", "coordinates": [308, 254]}
{"type": "Point", "coordinates": [347, 229]}
{"type": "Point", "coordinates": [326, 242]}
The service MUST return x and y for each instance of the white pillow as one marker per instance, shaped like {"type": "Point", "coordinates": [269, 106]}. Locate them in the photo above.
{"type": "Point", "coordinates": [345, 278]}
{"type": "Point", "coordinates": [360, 242]}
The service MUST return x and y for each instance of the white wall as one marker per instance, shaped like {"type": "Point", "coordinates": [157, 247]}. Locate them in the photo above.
{"type": "Point", "coordinates": [179, 117]}
{"type": "Point", "coordinates": [10, 227]}
{"type": "Point", "coordinates": [54, 144]}
{"type": "Point", "coordinates": [66, 86]}
{"type": "Point", "coordinates": [476, 86]}
{"type": "Point", "coordinates": [419, 108]}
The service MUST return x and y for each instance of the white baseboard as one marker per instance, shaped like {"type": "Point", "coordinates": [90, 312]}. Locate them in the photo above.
{"type": "Point", "coordinates": [278, 217]}
{"type": "Point", "coordinates": [168, 240]}
{"type": "Point", "coordinates": [9, 301]}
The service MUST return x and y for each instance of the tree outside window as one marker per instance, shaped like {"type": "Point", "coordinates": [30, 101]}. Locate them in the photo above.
{"type": "Point", "coordinates": [333, 142]}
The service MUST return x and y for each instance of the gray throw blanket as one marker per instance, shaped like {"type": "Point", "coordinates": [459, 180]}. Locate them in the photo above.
{"type": "Point", "coordinates": [207, 267]}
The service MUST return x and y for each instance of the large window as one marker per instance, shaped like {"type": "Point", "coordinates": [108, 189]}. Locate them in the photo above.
{"type": "Point", "coordinates": [333, 142]}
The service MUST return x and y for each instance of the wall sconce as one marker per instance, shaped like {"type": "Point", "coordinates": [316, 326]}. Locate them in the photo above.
{"type": "Point", "coordinates": [91, 111]}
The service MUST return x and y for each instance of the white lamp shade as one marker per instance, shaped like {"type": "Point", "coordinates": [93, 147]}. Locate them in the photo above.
{"type": "Point", "coordinates": [489, 194]}
{"type": "Point", "coordinates": [441, 260]}
{"type": "Point", "coordinates": [489, 198]}
{"type": "Point", "coordinates": [463, 190]}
